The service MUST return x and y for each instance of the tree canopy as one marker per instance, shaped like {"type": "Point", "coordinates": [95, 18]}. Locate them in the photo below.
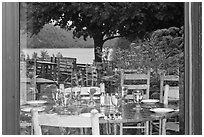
{"type": "Point", "coordinates": [163, 51]}
{"type": "Point", "coordinates": [104, 20]}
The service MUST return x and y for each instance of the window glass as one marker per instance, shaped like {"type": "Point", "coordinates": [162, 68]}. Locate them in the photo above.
{"type": "Point", "coordinates": [68, 47]}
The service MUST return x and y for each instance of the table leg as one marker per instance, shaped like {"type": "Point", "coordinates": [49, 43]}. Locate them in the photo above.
{"type": "Point", "coordinates": [164, 126]}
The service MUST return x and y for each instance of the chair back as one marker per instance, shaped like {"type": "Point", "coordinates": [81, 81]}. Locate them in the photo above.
{"type": "Point", "coordinates": [173, 91]}
{"type": "Point", "coordinates": [139, 81]}
{"type": "Point", "coordinates": [65, 68]}
{"type": "Point", "coordinates": [74, 121]}
{"type": "Point", "coordinates": [132, 75]}
{"type": "Point", "coordinates": [170, 93]}
{"type": "Point", "coordinates": [91, 75]}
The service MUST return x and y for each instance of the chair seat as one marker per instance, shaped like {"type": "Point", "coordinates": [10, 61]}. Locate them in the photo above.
{"type": "Point", "coordinates": [172, 126]}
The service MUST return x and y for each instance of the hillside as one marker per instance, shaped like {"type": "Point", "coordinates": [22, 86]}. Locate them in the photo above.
{"type": "Point", "coordinates": [54, 37]}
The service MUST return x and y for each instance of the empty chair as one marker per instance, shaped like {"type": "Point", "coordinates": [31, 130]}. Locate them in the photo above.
{"type": "Point", "coordinates": [80, 78]}
{"type": "Point", "coordinates": [171, 80]}
{"type": "Point", "coordinates": [81, 71]}
{"type": "Point", "coordinates": [74, 121]}
{"type": "Point", "coordinates": [91, 76]}
{"type": "Point", "coordinates": [170, 93]}
{"type": "Point", "coordinates": [134, 81]}
{"type": "Point", "coordinates": [66, 68]}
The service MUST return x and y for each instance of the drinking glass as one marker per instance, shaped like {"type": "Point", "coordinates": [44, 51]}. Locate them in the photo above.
{"type": "Point", "coordinates": [91, 94]}
{"type": "Point", "coordinates": [55, 96]}
{"type": "Point", "coordinates": [124, 93]}
{"type": "Point", "coordinates": [78, 97]}
{"type": "Point", "coordinates": [68, 99]}
{"type": "Point", "coordinates": [115, 100]}
{"type": "Point", "coordinates": [137, 97]}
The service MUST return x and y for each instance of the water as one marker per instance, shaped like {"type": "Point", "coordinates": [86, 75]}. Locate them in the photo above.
{"type": "Point", "coordinates": [83, 55]}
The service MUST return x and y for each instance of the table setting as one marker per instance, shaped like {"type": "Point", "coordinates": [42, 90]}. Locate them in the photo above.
{"type": "Point", "coordinates": [113, 108]}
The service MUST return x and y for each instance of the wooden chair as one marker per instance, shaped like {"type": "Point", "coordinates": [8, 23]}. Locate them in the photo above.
{"type": "Point", "coordinates": [91, 75]}
{"type": "Point", "coordinates": [170, 94]}
{"type": "Point", "coordinates": [74, 121]}
{"type": "Point", "coordinates": [80, 78]}
{"type": "Point", "coordinates": [132, 75]}
{"type": "Point", "coordinates": [81, 71]}
{"type": "Point", "coordinates": [166, 95]}
{"type": "Point", "coordinates": [66, 68]}
{"type": "Point", "coordinates": [163, 81]}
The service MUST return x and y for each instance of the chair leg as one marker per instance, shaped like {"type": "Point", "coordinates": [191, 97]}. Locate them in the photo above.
{"type": "Point", "coordinates": [85, 131]}
{"type": "Point", "coordinates": [147, 128]}
{"type": "Point", "coordinates": [115, 128]}
{"type": "Point", "coordinates": [160, 127]}
{"type": "Point", "coordinates": [150, 127]}
{"type": "Point", "coordinates": [81, 131]}
{"type": "Point", "coordinates": [121, 128]}
{"type": "Point", "coordinates": [32, 132]}
{"type": "Point", "coordinates": [104, 129]}
{"type": "Point", "coordinates": [107, 128]}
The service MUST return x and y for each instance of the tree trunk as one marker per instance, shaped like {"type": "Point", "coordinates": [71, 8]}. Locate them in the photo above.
{"type": "Point", "coordinates": [98, 45]}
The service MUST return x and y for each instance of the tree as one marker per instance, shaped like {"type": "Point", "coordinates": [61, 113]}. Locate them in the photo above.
{"type": "Point", "coordinates": [44, 54]}
{"type": "Point", "coordinates": [35, 55]}
{"type": "Point", "coordinates": [163, 51]}
{"type": "Point", "coordinates": [103, 21]}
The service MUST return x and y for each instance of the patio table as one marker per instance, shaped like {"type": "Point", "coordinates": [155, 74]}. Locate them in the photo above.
{"type": "Point", "coordinates": [129, 115]}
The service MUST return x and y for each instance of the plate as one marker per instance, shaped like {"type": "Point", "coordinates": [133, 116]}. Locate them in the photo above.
{"type": "Point", "coordinates": [89, 115]}
{"type": "Point", "coordinates": [28, 109]}
{"type": "Point", "coordinates": [162, 110]}
{"type": "Point", "coordinates": [150, 101]}
{"type": "Point", "coordinates": [36, 102]}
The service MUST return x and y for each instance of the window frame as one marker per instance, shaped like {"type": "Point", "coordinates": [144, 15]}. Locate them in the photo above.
{"type": "Point", "coordinates": [11, 69]}
{"type": "Point", "coordinates": [193, 68]}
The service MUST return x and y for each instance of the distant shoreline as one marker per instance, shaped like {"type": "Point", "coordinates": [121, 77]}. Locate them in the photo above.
{"type": "Point", "coordinates": [59, 48]}
{"type": "Point", "coordinates": [83, 55]}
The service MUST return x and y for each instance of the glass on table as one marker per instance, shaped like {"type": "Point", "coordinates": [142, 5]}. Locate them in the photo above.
{"type": "Point", "coordinates": [67, 98]}
{"type": "Point", "coordinates": [77, 98]}
{"type": "Point", "coordinates": [91, 102]}
{"type": "Point", "coordinates": [55, 96]}
{"type": "Point", "coordinates": [116, 101]}
{"type": "Point", "coordinates": [124, 92]}
{"type": "Point", "coordinates": [137, 98]}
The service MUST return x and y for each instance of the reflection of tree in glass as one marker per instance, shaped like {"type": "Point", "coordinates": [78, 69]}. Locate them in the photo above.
{"type": "Point", "coordinates": [105, 20]}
